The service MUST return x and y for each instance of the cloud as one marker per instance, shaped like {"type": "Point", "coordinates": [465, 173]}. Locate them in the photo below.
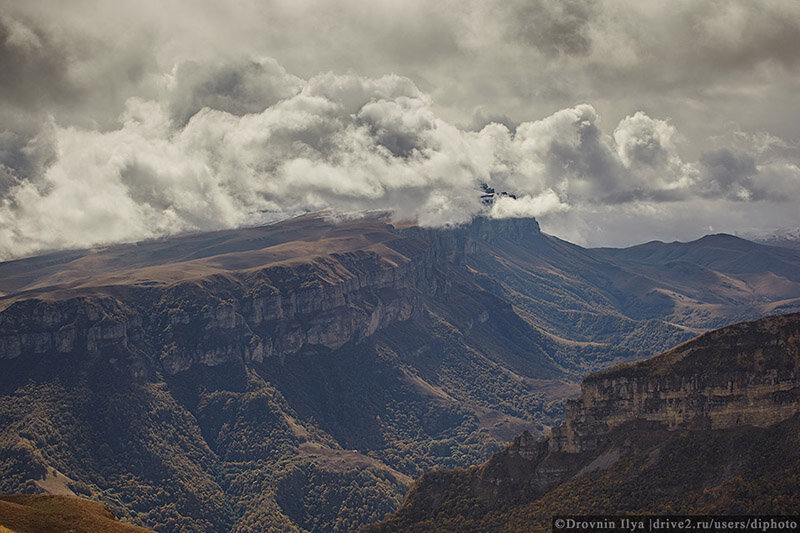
{"type": "Point", "coordinates": [728, 173]}
{"type": "Point", "coordinates": [33, 67]}
{"type": "Point", "coordinates": [553, 27]}
{"type": "Point", "coordinates": [126, 121]}
{"type": "Point", "coordinates": [347, 143]}
{"type": "Point", "coordinates": [238, 88]}
{"type": "Point", "coordinates": [738, 176]}
{"type": "Point", "coordinates": [644, 142]}
{"type": "Point", "coordinates": [527, 206]}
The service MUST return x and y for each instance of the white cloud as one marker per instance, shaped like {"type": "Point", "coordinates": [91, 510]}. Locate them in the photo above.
{"type": "Point", "coordinates": [528, 206]}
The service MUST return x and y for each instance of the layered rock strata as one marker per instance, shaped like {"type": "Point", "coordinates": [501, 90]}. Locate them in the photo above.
{"type": "Point", "coordinates": [251, 314]}
{"type": "Point", "coordinates": [750, 376]}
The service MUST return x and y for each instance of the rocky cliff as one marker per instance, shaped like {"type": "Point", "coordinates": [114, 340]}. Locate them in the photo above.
{"type": "Point", "coordinates": [270, 313]}
{"type": "Point", "coordinates": [291, 377]}
{"type": "Point", "coordinates": [249, 314]}
{"type": "Point", "coordinates": [747, 374]}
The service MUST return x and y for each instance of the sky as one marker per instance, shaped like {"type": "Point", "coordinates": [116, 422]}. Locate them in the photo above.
{"type": "Point", "coordinates": [613, 122]}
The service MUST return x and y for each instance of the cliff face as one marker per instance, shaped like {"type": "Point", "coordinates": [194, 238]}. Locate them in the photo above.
{"type": "Point", "coordinates": [281, 310]}
{"type": "Point", "coordinates": [254, 314]}
{"type": "Point", "coordinates": [747, 376]}
{"type": "Point", "coordinates": [268, 362]}
{"type": "Point", "coordinates": [251, 315]}
{"type": "Point", "coordinates": [270, 313]}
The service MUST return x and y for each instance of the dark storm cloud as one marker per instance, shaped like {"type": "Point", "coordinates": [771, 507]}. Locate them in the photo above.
{"type": "Point", "coordinates": [553, 27]}
{"type": "Point", "coordinates": [71, 65]}
{"type": "Point", "coordinates": [735, 175]}
{"type": "Point", "coordinates": [741, 34]}
{"type": "Point", "coordinates": [590, 159]}
{"type": "Point", "coordinates": [15, 160]}
{"type": "Point", "coordinates": [27, 147]}
{"type": "Point", "coordinates": [33, 67]}
{"type": "Point", "coordinates": [34, 80]}
{"type": "Point", "coordinates": [729, 173]}
{"type": "Point", "coordinates": [237, 87]}
{"type": "Point", "coordinates": [144, 185]}
{"type": "Point", "coordinates": [396, 127]}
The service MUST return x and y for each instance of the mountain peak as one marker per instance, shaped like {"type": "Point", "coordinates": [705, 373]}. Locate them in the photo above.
{"type": "Point", "coordinates": [513, 229]}
{"type": "Point", "coordinates": [720, 237]}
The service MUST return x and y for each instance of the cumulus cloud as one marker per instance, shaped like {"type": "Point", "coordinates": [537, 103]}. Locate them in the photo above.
{"type": "Point", "coordinates": [343, 142]}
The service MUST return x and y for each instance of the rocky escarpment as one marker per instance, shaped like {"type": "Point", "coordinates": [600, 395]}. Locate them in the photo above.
{"type": "Point", "coordinates": [287, 378]}
{"type": "Point", "coordinates": [747, 374]}
{"type": "Point", "coordinates": [252, 314]}
{"type": "Point", "coordinates": [278, 311]}
{"type": "Point", "coordinates": [79, 324]}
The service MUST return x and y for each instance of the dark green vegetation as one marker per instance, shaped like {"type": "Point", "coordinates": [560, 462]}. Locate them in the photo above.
{"type": "Point", "coordinates": [297, 376]}
{"type": "Point", "coordinates": [747, 348]}
{"type": "Point", "coordinates": [57, 514]}
{"type": "Point", "coordinates": [640, 466]}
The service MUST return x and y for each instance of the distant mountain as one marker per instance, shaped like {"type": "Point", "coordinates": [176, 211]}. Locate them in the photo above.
{"type": "Point", "coordinates": [642, 299]}
{"type": "Point", "coordinates": [786, 237]}
{"type": "Point", "coordinates": [297, 376]}
{"type": "Point", "coordinates": [711, 427]}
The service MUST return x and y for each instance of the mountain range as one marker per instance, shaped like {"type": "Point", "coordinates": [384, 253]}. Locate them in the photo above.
{"type": "Point", "coordinates": [298, 376]}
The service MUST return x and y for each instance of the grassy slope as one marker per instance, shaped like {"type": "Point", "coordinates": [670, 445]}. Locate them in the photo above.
{"type": "Point", "coordinates": [56, 514]}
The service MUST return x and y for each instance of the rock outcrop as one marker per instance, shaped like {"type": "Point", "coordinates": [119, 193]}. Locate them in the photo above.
{"type": "Point", "coordinates": [747, 374]}
{"type": "Point", "coordinates": [273, 312]}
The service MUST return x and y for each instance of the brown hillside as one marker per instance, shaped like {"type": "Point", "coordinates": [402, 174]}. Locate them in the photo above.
{"type": "Point", "coordinates": [57, 514]}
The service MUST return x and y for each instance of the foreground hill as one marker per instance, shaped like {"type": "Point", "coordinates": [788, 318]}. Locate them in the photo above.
{"type": "Point", "coordinates": [56, 514]}
{"type": "Point", "coordinates": [710, 427]}
{"type": "Point", "coordinates": [298, 376]}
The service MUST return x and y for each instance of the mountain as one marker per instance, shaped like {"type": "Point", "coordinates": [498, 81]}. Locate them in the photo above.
{"type": "Point", "coordinates": [710, 427]}
{"type": "Point", "coordinates": [297, 376]}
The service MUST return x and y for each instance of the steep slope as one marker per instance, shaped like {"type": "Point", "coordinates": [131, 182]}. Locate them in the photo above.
{"type": "Point", "coordinates": [712, 426]}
